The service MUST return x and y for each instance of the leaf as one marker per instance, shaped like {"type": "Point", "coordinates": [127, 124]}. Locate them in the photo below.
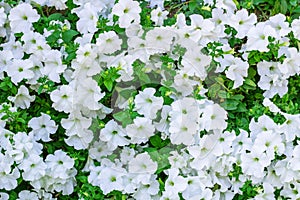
{"type": "Point", "coordinates": [237, 97]}
{"type": "Point", "coordinates": [123, 117]}
{"type": "Point", "coordinates": [230, 104]}
{"type": "Point", "coordinates": [67, 36]}
{"type": "Point", "coordinates": [55, 16]}
{"type": "Point", "coordinates": [108, 84]}
{"type": "Point", "coordinates": [283, 6]}
{"type": "Point", "coordinates": [223, 94]}
{"type": "Point", "coordinates": [213, 90]}
{"type": "Point", "coordinates": [249, 82]}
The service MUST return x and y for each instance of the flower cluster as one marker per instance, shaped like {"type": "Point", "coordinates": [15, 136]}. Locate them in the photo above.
{"type": "Point", "coordinates": [143, 103]}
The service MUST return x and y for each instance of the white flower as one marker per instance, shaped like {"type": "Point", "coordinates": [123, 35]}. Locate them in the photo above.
{"type": "Point", "coordinates": [228, 5]}
{"type": "Point", "coordinates": [195, 63]}
{"type": "Point", "coordinates": [270, 142]}
{"type": "Point", "coordinates": [9, 181]}
{"type": "Point", "coordinates": [24, 145]}
{"type": "Point", "coordinates": [33, 168]}
{"type": "Point", "coordinates": [6, 58]}
{"type": "Point", "coordinates": [141, 130]}
{"type": "Point", "coordinates": [291, 64]}
{"type": "Point", "coordinates": [296, 28]}
{"type": "Point", "coordinates": [53, 65]}
{"type": "Point", "coordinates": [237, 71]}
{"type": "Point", "coordinates": [253, 163]}
{"type": "Point", "coordinates": [258, 37]}
{"type": "Point", "coordinates": [58, 4]}
{"type": "Point", "coordinates": [263, 124]}
{"type": "Point", "coordinates": [295, 160]}
{"type": "Point", "coordinates": [19, 70]}
{"type": "Point", "coordinates": [21, 17]}
{"type": "Point", "coordinates": [159, 40]}
{"type": "Point", "coordinates": [63, 98]}
{"type": "Point", "coordinates": [59, 163]}
{"type": "Point", "coordinates": [113, 134]}
{"type": "Point", "coordinates": [111, 179]}
{"type": "Point", "coordinates": [278, 22]}
{"type": "Point", "coordinates": [89, 93]}
{"type": "Point", "coordinates": [128, 12]}
{"type": "Point", "coordinates": [214, 117]}
{"type": "Point", "coordinates": [27, 195]}
{"type": "Point", "coordinates": [147, 104]}
{"type": "Point", "coordinates": [4, 196]}
{"type": "Point", "coordinates": [158, 16]}
{"type": "Point", "coordinates": [100, 149]}
{"type": "Point", "coordinates": [142, 163]}
{"type": "Point", "coordinates": [2, 17]}
{"type": "Point", "coordinates": [88, 18]}
{"type": "Point", "coordinates": [291, 127]}
{"type": "Point", "coordinates": [242, 22]}
{"type": "Point", "coordinates": [108, 42]}
{"type": "Point", "coordinates": [22, 98]}
{"type": "Point", "coordinates": [175, 183]}
{"type": "Point", "coordinates": [42, 127]}
{"type": "Point", "coordinates": [183, 131]}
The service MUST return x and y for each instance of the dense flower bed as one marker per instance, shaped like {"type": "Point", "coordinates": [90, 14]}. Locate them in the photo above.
{"type": "Point", "coordinates": [126, 100]}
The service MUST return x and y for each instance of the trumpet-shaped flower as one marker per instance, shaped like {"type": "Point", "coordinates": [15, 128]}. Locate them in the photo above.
{"type": "Point", "coordinates": [128, 12]}
{"type": "Point", "coordinates": [141, 130]}
{"type": "Point", "coordinates": [42, 127]}
{"type": "Point", "coordinates": [22, 98]}
{"type": "Point", "coordinates": [147, 104]}
{"type": "Point", "coordinates": [21, 17]}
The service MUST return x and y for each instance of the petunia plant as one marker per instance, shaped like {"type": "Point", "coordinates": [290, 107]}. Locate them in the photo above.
{"type": "Point", "coordinates": [149, 99]}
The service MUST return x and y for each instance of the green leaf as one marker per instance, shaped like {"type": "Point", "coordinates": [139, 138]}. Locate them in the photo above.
{"type": "Point", "coordinates": [237, 97]}
{"type": "Point", "coordinates": [68, 35]}
{"type": "Point", "coordinates": [229, 104]}
{"type": "Point", "coordinates": [223, 94]}
{"type": "Point", "coordinates": [55, 16]}
{"type": "Point", "coordinates": [108, 84]}
{"type": "Point", "coordinates": [123, 117]}
{"type": "Point", "coordinates": [213, 90]}
{"type": "Point", "coordinates": [249, 82]}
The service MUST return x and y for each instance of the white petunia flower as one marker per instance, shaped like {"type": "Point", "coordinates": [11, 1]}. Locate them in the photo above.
{"type": "Point", "coordinates": [58, 4]}
{"type": "Point", "coordinates": [88, 18]}
{"type": "Point", "coordinates": [258, 37]}
{"type": "Point", "coordinates": [108, 42]}
{"type": "Point", "coordinates": [195, 63]}
{"type": "Point", "coordinates": [27, 195]}
{"type": "Point", "coordinates": [22, 98]}
{"type": "Point", "coordinates": [53, 65]}
{"type": "Point", "coordinates": [278, 22]}
{"type": "Point", "coordinates": [111, 179]}
{"type": "Point", "coordinates": [253, 163]}
{"type": "Point", "coordinates": [21, 17]}
{"type": "Point", "coordinates": [113, 134]}
{"type": "Point", "coordinates": [89, 93]}
{"type": "Point", "coordinates": [296, 28]}
{"type": "Point", "coordinates": [175, 183]}
{"type": "Point", "coordinates": [4, 196]}
{"type": "Point", "coordinates": [19, 70]}
{"type": "Point", "coordinates": [159, 40]}
{"type": "Point", "coordinates": [214, 117]}
{"type": "Point", "coordinates": [158, 16]}
{"type": "Point", "coordinates": [63, 98]}
{"type": "Point", "coordinates": [141, 130]}
{"type": "Point", "coordinates": [242, 22]}
{"type": "Point", "coordinates": [128, 12]}
{"type": "Point", "coordinates": [42, 127]}
{"type": "Point", "coordinates": [147, 104]}
{"type": "Point", "coordinates": [237, 71]}
{"type": "Point", "coordinates": [33, 168]}
{"type": "Point", "coordinates": [142, 163]}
